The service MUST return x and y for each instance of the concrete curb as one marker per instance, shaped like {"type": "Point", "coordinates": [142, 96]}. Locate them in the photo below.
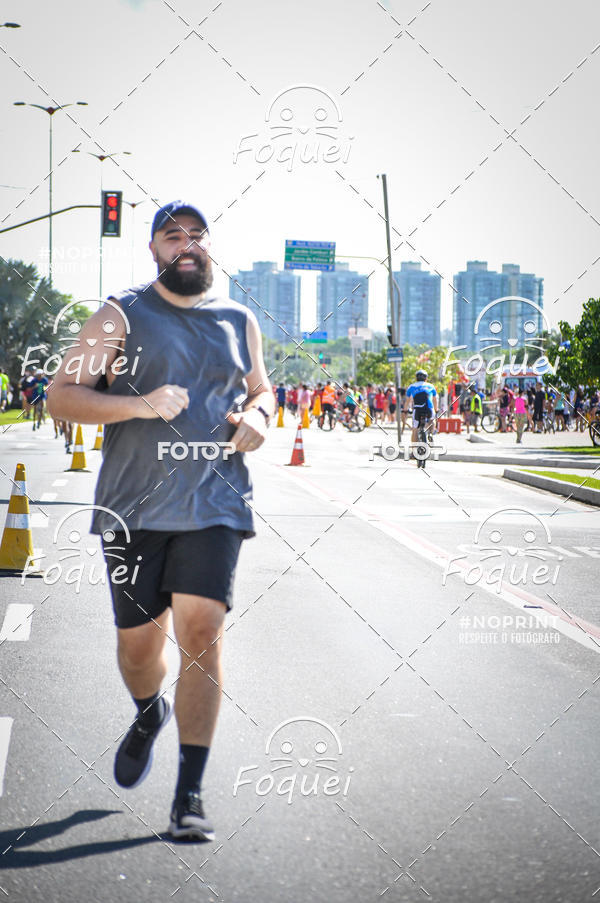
{"type": "Point", "coordinates": [558, 487]}
{"type": "Point", "coordinates": [571, 462]}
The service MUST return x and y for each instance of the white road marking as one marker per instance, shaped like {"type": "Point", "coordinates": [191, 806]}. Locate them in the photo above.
{"type": "Point", "coordinates": [48, 496]}
{"type": "Point", "coordinates": [424, 548]}
{"type": "Point", "coordinates": [17, 623]}
{"type": "Point", "coordinates": [39, 520]}
{"type": "Point", "coordinates": [60, 482]}
{"type": "Point", "coordinates": [5, 730]}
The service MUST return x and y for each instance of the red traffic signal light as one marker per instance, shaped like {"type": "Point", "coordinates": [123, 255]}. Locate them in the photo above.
{"type": "Point", "coordinates": [111, 213]}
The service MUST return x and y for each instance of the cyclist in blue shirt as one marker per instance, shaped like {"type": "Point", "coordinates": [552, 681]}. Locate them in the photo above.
{"type": "Point", "coordinates": [424, 402]}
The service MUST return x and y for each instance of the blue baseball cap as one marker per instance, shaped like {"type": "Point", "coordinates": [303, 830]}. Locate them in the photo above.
{"type": "Point", "coordinates": [166, 213]}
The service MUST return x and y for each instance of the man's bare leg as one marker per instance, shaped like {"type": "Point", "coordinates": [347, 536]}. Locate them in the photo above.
{"type": "Point", "coordinates": [141, 656]}
{"type": "Point", "coordinates": [198, 624]}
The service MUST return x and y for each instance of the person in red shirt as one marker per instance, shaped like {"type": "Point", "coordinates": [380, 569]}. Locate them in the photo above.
{"type": "Point", "coordinates": [379, 404]}
{"type": "Point", "coordinates": [293, 399]}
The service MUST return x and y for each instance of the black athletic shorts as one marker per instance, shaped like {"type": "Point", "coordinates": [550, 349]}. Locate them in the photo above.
{"type": "Point", "coordinates": [144, 572]}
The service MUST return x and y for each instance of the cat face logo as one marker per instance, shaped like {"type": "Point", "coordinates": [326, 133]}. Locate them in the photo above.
{"type": "Point", "coordinates": [532, 535]}
{"type": "Point", "coordinates": [304, 108]}
{"type": "Point", "coordinates": [303, 127]}
{"type": "Point", "coordinates": [304, 741]}
{"type": "Point", "coordinates": [72, 327]}
{"type": "Point", "coordinates": [310, 758]}
{"type": "Point", "coordinates": [512, 545]}
{"type": "Point", "coordinates": [78, 559]}
{"type": "Point", "coordinates": [501, 320]}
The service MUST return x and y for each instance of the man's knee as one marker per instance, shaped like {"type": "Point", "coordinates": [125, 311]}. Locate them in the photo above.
{"type": "Point", "coordinates": [139, 647]}
{"type": "Point", "coordinates": [198, 624]}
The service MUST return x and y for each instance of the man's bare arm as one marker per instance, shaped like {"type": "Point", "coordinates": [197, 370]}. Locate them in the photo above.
{"type": "Point", "coordinates": [72, 395]}
{"type": "Point", "coordinates": [251, 426]}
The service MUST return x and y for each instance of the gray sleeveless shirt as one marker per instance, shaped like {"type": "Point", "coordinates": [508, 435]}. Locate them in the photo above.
{"type": "Point", "coordinates": [203, 349]}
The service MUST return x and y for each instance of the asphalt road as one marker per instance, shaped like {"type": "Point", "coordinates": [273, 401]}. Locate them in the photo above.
{"type": "Point", "coordinates": [389, 729]}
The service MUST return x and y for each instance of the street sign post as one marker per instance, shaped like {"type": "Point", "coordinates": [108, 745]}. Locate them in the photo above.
{"type": "Point", "coordinates": [318, 337]}
{"type": "Point", "coordinates": [309, 255]}
{"type": "Point", "coordinates": [394, 355]}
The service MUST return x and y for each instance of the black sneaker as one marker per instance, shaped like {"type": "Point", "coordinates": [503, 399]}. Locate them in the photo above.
{"type": "Point", "coordinates": [134, 756]}
{"type": "Point", "coordinates": [188, 821]}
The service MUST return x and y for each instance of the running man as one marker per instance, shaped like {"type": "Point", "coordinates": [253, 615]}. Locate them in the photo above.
{"type": "Point", "coordinates": [200, 378]}
{"type": "Point", "coordinates": [38, 398]}
{"type": "Point", "coordinates": [424, 402]}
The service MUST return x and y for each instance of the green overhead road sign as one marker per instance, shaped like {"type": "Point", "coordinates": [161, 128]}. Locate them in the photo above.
{"type": "Point", "coordinates": [310, 255]}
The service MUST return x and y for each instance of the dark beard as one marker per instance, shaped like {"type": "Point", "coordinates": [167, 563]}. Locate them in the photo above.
{"type": "Point", "coordinates": [186, 284]}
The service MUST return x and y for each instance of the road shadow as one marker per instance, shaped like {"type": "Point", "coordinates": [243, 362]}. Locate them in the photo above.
{"type": "Point", "coordinates": [14, 856]}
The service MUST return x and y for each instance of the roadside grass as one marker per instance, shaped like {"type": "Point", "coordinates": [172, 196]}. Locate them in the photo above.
{"type": "Point", "coordinates": [575, 449]}
{"type": "Point", "coordinates": [576, 479]}
{"type": "Point", "coordinates": [12, 416]}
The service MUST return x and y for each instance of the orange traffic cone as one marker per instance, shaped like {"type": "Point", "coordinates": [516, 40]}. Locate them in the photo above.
{"type": "Point", "coordinates": [297, 451]}
{"type": "Point", "coordinates": [280, 417]}
{"type": "Point", "coordinates": [16, 548]}
{"type": "Point", "coordinates": [78, 460]}
{"type": "Point", "coordinates": [97, 446]}
{"type": "Point", "coordinates": [317, 406]}
{"type": "Point", "coordinates": [305, 419]}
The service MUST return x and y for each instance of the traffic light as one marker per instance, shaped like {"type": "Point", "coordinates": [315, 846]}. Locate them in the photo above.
{"type": "Point", "coordinates": [389, 334]}
{"type": "Point", "coordinates": [111, 213]}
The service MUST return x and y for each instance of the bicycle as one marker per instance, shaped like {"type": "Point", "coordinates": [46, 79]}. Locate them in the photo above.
{"type": "Point", "coordinates": [424, 439]}
{"type": "Point", "coordinates": [594, 430]}
{"type": "Point", "coordinates": [356, 422]}
{"type": "Point", "coordinates": [330, 416]}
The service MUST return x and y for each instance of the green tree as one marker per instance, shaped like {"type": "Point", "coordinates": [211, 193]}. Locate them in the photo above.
{"type": "Point", "coordinates": [373, 366]}
{"type": "Point", "coordinates": [579, 363]}
{"type": "Point", "coordinates": [28, 309]}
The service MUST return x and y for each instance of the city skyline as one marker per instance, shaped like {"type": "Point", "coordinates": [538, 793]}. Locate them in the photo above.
{"type": "Point", "coordinates": [343, 303]}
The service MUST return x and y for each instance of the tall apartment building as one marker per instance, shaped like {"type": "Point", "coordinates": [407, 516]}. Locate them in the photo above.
{"type": "Point", "coordinates": [342, 301]}
{"type": "Point", "coordinates": [508, 323]}
{"type": "Point", "coordinates": [420, 312]}
{"type": "Point", "coordinates": [277, 298]}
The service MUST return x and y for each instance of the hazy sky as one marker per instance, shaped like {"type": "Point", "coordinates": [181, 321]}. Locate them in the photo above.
{"type": "Point", "coordinates": [432, 103]}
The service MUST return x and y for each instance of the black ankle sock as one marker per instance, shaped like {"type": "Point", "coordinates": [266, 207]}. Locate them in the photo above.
{"type": "Point", "coordinates": [150, 710]}
{"type": "Point", "coordinates": [192, 760]}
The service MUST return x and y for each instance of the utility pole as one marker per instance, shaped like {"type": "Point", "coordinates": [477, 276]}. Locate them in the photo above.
{"type": "Point", "coordinates": [395, 308]}
{"type": "Point", "coordinates": [50, 111]}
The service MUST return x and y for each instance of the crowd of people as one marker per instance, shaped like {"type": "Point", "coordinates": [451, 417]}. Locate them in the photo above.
{"type": "Point", "coordinates": [380, 401]}
{"type": "Point", "coordinates": [536, 407]}
{"type": "Point", "coordinates": [31, 395]}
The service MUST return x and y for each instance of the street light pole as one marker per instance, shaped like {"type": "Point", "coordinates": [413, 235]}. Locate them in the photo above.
{"type": "Point", "coordinates": [50, 111]}
{"type": "Point", "coordinates": [395, 311]}
{"type": "Point", "coordinates": [102, 158]}
{"type": "Point", "coordinates": [133, 205]}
